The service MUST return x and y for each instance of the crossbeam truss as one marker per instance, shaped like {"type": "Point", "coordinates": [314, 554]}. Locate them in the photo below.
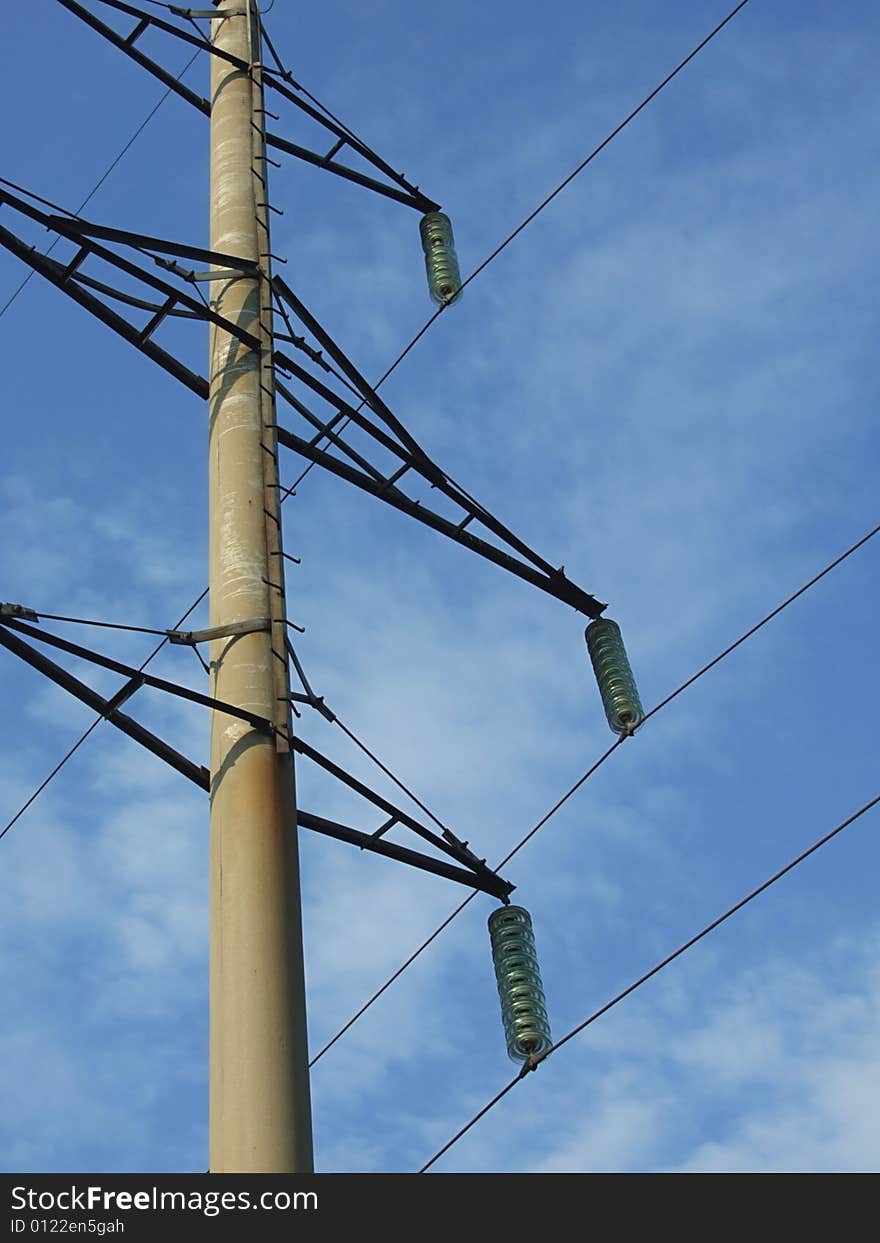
{"type": "Point", "coordinates": [470, 870]}
{"type": "Point", "coordinates": [172, 297]}
{"type": "Point", "coordinates": [394, 185]}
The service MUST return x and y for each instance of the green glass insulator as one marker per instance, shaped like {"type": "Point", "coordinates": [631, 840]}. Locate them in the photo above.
{"type": "Point", "coordinates": [523, 1010]}
{"type": "Point", "coordinates": [441, 261]}
{"type": "Point", "coordinates": [617, 685]}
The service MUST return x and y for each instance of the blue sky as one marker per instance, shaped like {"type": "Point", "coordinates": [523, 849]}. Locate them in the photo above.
{"type": "Point", "coordinates": [668, 384]}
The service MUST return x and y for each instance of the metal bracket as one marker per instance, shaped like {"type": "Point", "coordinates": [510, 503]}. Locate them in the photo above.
{"type": "Point", "coordinates": [127, 671]}
{"type": "Point", "coordinates": [227, 274]}
{"type": "Point", "coordinates": [18, 610]}
{"type": "Point", "coordinates": [313, 701]}
{"type": "Point", "coordinates": [484, 881]}
{"type": "Point", "coordinates": [253, 625]}
{"type": "Point", "coordinates": [205, 12]}
{"type": "Point", "coordinates": [115, 702]}
{"type": "Point", "coordinates": [448, 842]}
{"type": "Point", "coordinates": [187, 274]}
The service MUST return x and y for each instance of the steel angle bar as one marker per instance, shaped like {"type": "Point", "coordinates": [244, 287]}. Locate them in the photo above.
{"type": "Point", "coordinates": [73, 231]}
{"type": "Point", "coordinates": [145, 20]}
{"type": "Point", "coordinates": [369, 394]}
{"type": "Point", "coordinates": [55, 273]}
{"type": "Point", "coordinates": [554, 582]}
{"type": "Point", "coordinates": [449, 843]}
{"type": "Point", "coordinates": [146, 679]}
{"type": "Point", "coordinates": [107, 708]}
{"type": "Point", "coordinates": [342, 132]}
{"type": "Point", "coordinates": [488, 883]}
{"type": "Point", "coordinates": [146, 62]}
{"type": "Point", "coordinates": [144, 241]}
{"type": "Point", "coordinates": [412, 454]}
{"type": "Point", "coordinates": [350, 174]}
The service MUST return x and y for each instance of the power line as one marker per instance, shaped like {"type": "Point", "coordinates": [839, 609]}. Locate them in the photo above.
{"type": "Point", "coordinates": [96, 187]}
{"type": "Point", "coordinates": [544, 203]}
{"type": "Point", "coordinates": [764, 620]}
{"type": "Point", "coordinates": [602, 145]}
{"type": "Point", "coordinates": [388, 773]}
{"type": "Point", "coordinates": [577, 785]}
{"type": "Point", "coordinates": [57, 769]}
{"type": "Point", "coordinates": [288, 77]}
{"type": "Point", "coordinates": [738, 906]}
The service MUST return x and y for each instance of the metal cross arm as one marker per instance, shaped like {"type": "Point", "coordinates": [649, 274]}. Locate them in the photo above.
{"type": "Point", "coordinates": [109, 708]}
{"type": "Point", "coordinates": [485, 882]}
{"type": "Point", "coordinates": [404, 446]}
{"type": "Point", "coordinates": [77, 228]}
{"type": "Point", "coordinates": [61, 276]}
{"type": "Point", "coordinates": [401, 190]}
{"type": "Point", "coordinates": [126, 43]}
{"type": "Point", "coordinates": [448, 842]}
{"type": "Point", "coordinates": [80, 232]}
{"type": "Point", "coordinates": [552, 581]}
{"type": "Point", "coordinates": [115, 666]}
{"type": "Point", "coordinates": [173, 301]}
{"type": "Point", "coordinates": [385, 428]}
{"type": "Point", "coordinates": [367, 392]}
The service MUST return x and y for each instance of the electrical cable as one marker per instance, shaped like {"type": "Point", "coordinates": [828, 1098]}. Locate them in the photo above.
{"type": "Point", "coordinates": [83, 621]}
{"type": "Point", "coordinates": [545, 202]}
{"type": "Point", "coordinates": [96, 187]}
{"type": "Point", "coordinates": [38, 198]}
{"type": "Point", "coordinates": [388, 773]}
{"type": "Point", "coordinates": [602, 145]}
{"type": "Point", "coordinates": [716, 923]}
{"type": "Point", "coordinates": [663, 703]}
{"type": "Point", "coordinates": [288, 77]}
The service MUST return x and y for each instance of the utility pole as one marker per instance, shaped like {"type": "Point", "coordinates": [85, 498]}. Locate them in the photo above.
{"type": "Point", "coordinates": [260, 1107]}
{"type": "Point", "coordinates": [260, 1111]}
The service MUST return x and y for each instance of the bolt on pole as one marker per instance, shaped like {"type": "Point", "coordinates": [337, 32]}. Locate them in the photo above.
{"type": "Point", "coordinates": [260, 1111]}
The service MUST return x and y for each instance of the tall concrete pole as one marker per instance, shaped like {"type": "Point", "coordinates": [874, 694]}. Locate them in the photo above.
{"type": "Point", "coordinates": [260, 1112]}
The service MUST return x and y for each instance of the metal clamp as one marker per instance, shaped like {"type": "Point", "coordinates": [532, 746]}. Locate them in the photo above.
{"type": "Point", "coordinates": [18, 610]}
{"type": "Point", "coordinates": [189, 637]}
{"type": "Point", "coordinates": [204, 12]}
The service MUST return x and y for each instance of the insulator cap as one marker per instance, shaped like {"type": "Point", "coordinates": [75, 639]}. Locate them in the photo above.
{"type": "Point", "coordinates": [441, 261]}
{"type": "Point", "coordinates": [523, 1010]}
{"type": "Point", "coordinates": [617, 685]}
